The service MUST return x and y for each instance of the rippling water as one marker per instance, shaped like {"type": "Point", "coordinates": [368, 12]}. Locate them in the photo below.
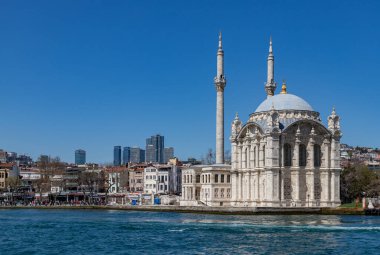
{"type": "Point", "coordinates": [128, 232]}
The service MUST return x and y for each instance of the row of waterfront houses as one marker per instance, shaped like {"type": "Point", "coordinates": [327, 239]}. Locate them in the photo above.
{"type": "Point", "coordinates": [89, 183]}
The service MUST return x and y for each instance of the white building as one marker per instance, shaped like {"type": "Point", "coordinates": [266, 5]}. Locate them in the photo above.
{"type": "Point", "coordinates": [156, 179]}
{"type": "Point", "coordinates": [283, 156]}
{"type": "Point", "coordinates": [150, 180]}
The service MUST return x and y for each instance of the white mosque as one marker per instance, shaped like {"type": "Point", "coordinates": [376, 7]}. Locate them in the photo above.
{"type": "Point", "coordinates": [283, 156]}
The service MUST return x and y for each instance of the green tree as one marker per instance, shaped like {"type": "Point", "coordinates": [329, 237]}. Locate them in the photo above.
{"type": "Point", "coordinates": [357, 179]}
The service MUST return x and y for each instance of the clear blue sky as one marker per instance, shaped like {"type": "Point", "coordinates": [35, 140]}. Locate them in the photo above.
{"type": "Point", "coordinates": [94, 74]}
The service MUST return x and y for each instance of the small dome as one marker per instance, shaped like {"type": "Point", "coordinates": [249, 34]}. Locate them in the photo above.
{"type": "Point", "coordinates": [284, 102]}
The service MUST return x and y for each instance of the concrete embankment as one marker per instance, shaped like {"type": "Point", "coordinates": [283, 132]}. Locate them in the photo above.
{"type": "Point", "coordinates": [211, 210]}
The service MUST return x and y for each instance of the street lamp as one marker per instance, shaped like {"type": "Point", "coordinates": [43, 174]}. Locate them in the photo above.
{"type": "Point", "coordinates": [206, 198]}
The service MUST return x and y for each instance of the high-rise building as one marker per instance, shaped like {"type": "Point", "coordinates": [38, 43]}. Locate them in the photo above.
{"type": "Point", "coordinates": [3, 156]}
{"type": "Point", "coordinates": [126, 155]}
{"type": "Point", "coordinates": [44, 159]}
{"type": "Point", "coordinates": [117, 155]}
{"type": "Point", "coordinates": [168, 154]}
{"type": "Point", "coordinates": [80, 157]}
{"type": "Point", "coordinates": [155, 154]}
{"type": "Point", "coordinates": [137, 155]}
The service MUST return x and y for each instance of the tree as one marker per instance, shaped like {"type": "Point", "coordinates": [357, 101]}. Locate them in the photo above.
{"type": "Point", "coordinates": [209, 158]}
{"type": "Point", "coordinates": [227, 157]}
{"type": "Point", "coordinates": [42, 185]}
{"type": "Point", "coordinates": [357, 179]}
{"type": "Point", "coordinates": [13, 183]}
{"type": "Point", "coordinates": [90, 181]}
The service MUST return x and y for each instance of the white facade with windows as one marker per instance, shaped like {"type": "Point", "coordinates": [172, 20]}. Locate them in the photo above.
{"type": "Point", "coordinates": [150, 180]}
{"type": "Point", "coordinates": [156, 180]}
{"type": "Point", "coordinates": [206, 185]}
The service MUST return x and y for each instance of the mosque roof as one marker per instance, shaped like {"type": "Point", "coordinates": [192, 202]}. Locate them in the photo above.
{"type": "Point", "coordinates": [284, 102]}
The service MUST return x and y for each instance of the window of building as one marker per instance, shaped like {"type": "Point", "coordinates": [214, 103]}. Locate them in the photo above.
{"type": "Point", "coordinates": [216, 190]}
{"type": "Point", "coordinates": [302, 155]}
{"type": "Point", "coordinates": [228, 193]}
{"type": "Point", "coordinates": [166, 178]}
{"type": "Point", "coordinates": [317, 155]}
{"type": "Point", "coordinates": [222, 193]}
{"type": "Point", "coordinates": [222, 178]}
{"type": "Point", "coordinates": [166, 187]}
{"type": "Point", "coordinates": [287, 155]}
{"type": "Point", "coordinates": [203, 178]}
{"type": "Point", "coordinates": [228, 178]}
{"type": "Point", "coordinates": [191, 178]}
{"type": "Point", "coordinates": [216, 178]}
{"type": "Point", "coordinates": [198, 178]}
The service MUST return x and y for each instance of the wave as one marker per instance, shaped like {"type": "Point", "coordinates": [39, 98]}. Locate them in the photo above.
{"type": "Point", "coordinates": [235, 224]}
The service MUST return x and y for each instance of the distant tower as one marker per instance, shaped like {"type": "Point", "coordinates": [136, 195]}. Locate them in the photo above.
{"type": "Point", "coordinates": [220, 84]}
{"type": "Point", "coordinates": [80, 157]}
{"type": "Point", "coordinates": [126, 155]}
{"type": "Point", "coordinates": [270, 85]}
{"type": "Point", "coordinates": [155, 149]}
{"type": "Point", "coordinates": [117, 155]}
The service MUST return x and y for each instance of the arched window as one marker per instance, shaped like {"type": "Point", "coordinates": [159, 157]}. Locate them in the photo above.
{"type": "Point", "coordinates": [287, 155]}
{"type": "Point", "coordinates": [302, 155]}
{"type": "Point", "coordinates": [317, 155]}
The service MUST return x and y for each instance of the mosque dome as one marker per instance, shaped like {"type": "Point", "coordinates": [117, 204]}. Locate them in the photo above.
{"type": "Point", "coordinates": [284, 102]}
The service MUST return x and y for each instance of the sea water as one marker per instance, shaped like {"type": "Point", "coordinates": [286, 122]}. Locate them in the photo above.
{"type": "Point", "coordinates": [26, 231]}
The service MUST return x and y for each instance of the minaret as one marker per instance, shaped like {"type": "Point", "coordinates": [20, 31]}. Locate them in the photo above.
{"type": "Point", "coordinates": [220, 83]}
{"type": "Point", "coordinates": [270, 85]}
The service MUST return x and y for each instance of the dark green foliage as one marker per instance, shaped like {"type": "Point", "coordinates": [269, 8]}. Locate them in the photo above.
{"type": "Point", "coordinates": [357, 179]}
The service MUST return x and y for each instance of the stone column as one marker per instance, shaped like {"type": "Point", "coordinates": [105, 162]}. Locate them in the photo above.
{"type": "Point", "coordinates": [238, 186]}
{"type": "Point", "coordinates": [295, 173]}
{"type": "Point", "coordinates": [326, 154]}
{"type": "Point", "coordinates": [335, 194]}
{"type": "Point", "coordinates": [258, 195]}
{"type": "Point", "coordinates": [233, 155]}
{"type": "Point", "coordinates": [282, 175]}
{"type": "Point", "coordinates": [248, 155]}
{"type": "Point", "coordinates": [234, 186]}
{"type": "Point", "coordinates": [325, 187]}
{"type": "Point", "coordinates": [333, 154]}
{"type": "Point", "coordinates": [310, 173]}
{"type": "Point", "coordinates": [240, 156]}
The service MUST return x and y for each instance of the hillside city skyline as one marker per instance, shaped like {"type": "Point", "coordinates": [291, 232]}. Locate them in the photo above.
{"type": "Point", "coordinates": [114, 76]}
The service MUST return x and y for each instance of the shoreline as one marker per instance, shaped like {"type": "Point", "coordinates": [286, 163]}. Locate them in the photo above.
{"type": "Point", "coordinates": [208, 210]}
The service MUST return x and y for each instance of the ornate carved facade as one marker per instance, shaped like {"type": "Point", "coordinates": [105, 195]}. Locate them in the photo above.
{"type": "Point", "coordinates": [285, 158]}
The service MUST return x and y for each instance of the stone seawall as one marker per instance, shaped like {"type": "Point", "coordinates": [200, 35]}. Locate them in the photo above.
{"type": "Point", "coordinates": [209, 209]}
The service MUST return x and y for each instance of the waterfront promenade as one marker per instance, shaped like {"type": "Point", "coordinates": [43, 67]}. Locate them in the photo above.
{"type": "Point", "coordinates": [206, 209]}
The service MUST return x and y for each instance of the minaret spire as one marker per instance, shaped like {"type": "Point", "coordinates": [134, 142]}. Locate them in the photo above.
{"type": "Point", "coordinates": [220, 84]}
{"type": "Point", "coordinates": [220, 41]}
{"type": "Point", "coordinates": [270, 85]}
